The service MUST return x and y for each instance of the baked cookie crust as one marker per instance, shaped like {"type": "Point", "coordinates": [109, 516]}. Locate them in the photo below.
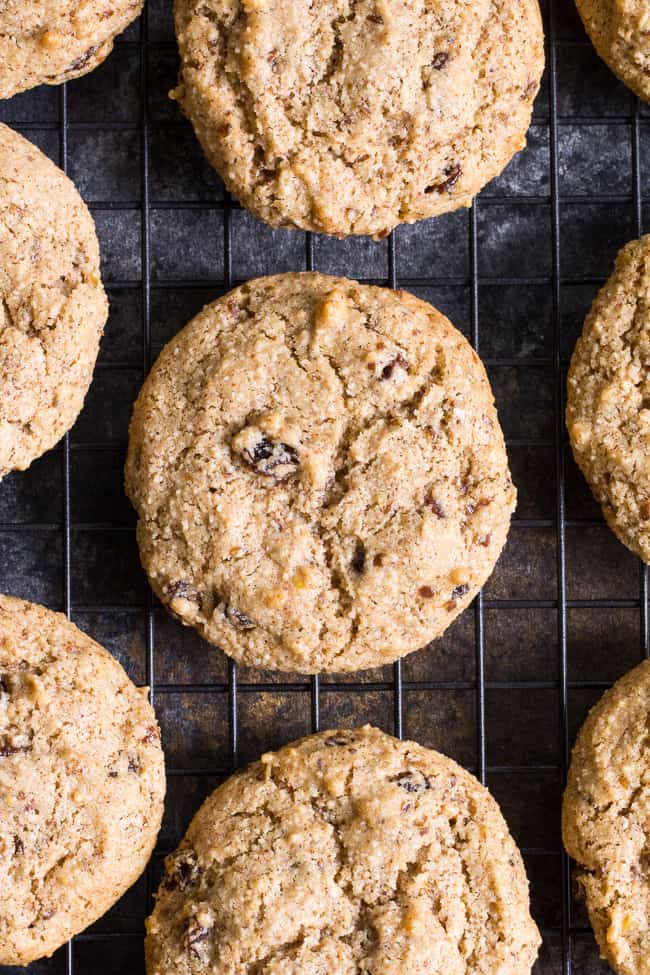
{"type": "Point", "coordinates": [347, 851]}
{"type": "Point", "coordinates": [353, 116]}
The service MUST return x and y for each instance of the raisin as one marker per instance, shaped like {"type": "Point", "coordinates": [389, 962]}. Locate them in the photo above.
{"type": "Point", "coordinates": [112, 775]}
{"type": "Point", "coordinates": [531, 87]}
{"type": "Point", "coordinates": [182, 871]}
{"type": "Point", "coordinates": [359, 558]}
{"type": "Point", "coordinates": [238, 619]}
{"type": "Point", "coordinates": [452, 175]}
{"type": "Point", "coordinates": [272, 458]}
{"type": "Point", "coordinates": [375, 18]}
{"type": "Point", "coordinates": [7, 750]}
{"type": "Point", "coordinates": [19, 846]}
{"type": "Point", "coordinates": [440, 60]}
{"type": "Point", "coordinates": [389, 369]}
{"type": "Point", "coordinates": [151, 734]}
{"type": "Point", "coordinates": [82, 61]}
{"type": "Point", "coordinates": [644, 510]}
{"type": "Point", "coordinates": [133, 765]}
{"type": "Point", "coordinates": [460, 591]}
{"type": "Point", "coordinates": [195, 936]}
{"type": "Point", "coordinates": [412, 781]}
{"type": "Point", "coordinates": [426, 592]}
{"type": "Point", "coordinates": [486, 540]}
{"type": "Point", "coordinates": [183, 590]}
{"type": "Point", "coordinates": [334, 740]}
{"type": "Point", "coordinates": [435, 506]}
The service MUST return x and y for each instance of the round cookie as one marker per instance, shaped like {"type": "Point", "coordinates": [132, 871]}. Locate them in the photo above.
{"type": "Point", "coordinates": [52, 304]}
{"type": "Point", "coordinates": [608, 404]}
{"type": "Point", "coordinates": [620, 32]}
{"type": "Point", "coordinates": [52, 41]}
{"type": "Point", "coordinates": [352, 116]}
{"type": "Point", "coordinates": [82, 781]}
{"type": "Point", "coordinates": [605, 820]}
{"type": "Point", "coordinates": [345, 852]}
{"type": "Point", "coordinates": [319, 474]}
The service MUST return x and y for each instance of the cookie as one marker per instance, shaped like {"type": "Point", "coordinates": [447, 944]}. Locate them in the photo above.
{"type": "Point", "coordinates": [52, 41]}
{"type": "Point", "coordinates": [352, 116]}
{"type": "Point", "coordinates": [319, 474]}
{"type": "Point", "coordinates": [82, 781]}
{"type": "Point", "coordinates": [346, 852]}
{"type": "Point", "coordinates": [608, 404]}
{"type": "Point", "coordinates": [620, 32]}
{"type": "Point", "coordinates": [52, 304]}
{"type": "Point", "coordinates": [605, 820]}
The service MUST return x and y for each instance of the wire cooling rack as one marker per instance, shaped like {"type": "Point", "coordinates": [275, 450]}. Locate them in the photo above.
{"type": "Point", "coordinates": [566, 611]}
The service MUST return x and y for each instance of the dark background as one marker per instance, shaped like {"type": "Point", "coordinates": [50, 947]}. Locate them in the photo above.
{"type": "Point", "coordinates": [565, 612]}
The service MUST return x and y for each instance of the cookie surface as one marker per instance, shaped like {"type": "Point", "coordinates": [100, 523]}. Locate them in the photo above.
{"type": "Point", "coordinates": [351, 116]}
{"type": "Point", "coordinates": [605, 820]}
{"type": "Point", "coordinates": [82, 781]}
{"type": "Point", "coordinates": [319, 474]}
{"type": "Point", "coordinates": [52, 304]}
{"type": "Point", "coordinates": [345, 852]}
{"type": "Point", "coordinates": [608, 404]}
{"type": "Point", "coordinates": [620, 32]}
{"type": "Point", "coordinates": [52, 41]}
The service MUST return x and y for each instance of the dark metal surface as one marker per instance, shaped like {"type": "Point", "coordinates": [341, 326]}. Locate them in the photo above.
{"type": "Point", "coordinates": [566, 611]}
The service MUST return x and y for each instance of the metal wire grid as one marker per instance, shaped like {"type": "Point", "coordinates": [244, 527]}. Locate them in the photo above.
{"type": "Point", "coordinates": [398, 686]}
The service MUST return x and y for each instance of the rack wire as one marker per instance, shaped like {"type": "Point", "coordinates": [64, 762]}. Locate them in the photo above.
{"type": "Point", "coordinates": [505, 690]}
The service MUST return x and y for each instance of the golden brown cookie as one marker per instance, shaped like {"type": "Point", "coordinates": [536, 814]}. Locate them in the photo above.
{"type": "Point", "coordinates": [51, 41]}
{"type": "Point", "coordinates": [608, 405]}
{"type": "Point", "coordinates": [345, 852]}
{"type": "Point", "coordinates": [605, 820]}
{"type": "Point", "coordinates": [82, 781]}
{"type": "Point", "coordinates": [352, 116]}
{"type": "Point", "coordinates": [319, 474]}
{"type": "Point", "coordinates": [620, 31]}
{"type": "Point", "coordinates": [52, 304]}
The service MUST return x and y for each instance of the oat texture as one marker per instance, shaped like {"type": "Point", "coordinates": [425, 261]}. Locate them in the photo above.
{"type": "Point", "coordinates": [319, 474]}
{"type": "Point", "coordinates": [348, 852]}
{"type": "Point", "coordinates": [51, 41]}
{"type": "Point", "coordinates": [608, 408]}
{"type": "Point", "coordinates": [620, 31]}
{"type": "Point", "coordinates": [52, 304]}
{"type": "Point", "coordinates": [352, 116]}
{"type": "Point", "coordinates": [605, 821]}
{"type": "Point", "coordinates": [81, 781]}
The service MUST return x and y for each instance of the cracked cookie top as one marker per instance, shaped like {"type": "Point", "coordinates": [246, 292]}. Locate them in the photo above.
{"type": "Point", "coordinates": [352, 116]}
{"type": "Point", "coordinates": [605, 820]}
{"type": "Point", "coordinates": [81, 781]}
{"type": "Point", "coordinates": [608, 403]}
{"type": "Point", "coordinates": [52, 41]}
{"type": "Point", "coordinates": [620, 31]}
{"type": "Point", "coordinates": [346, 852]}
{"type": "Point", "coordinates": [52, 304]}
{"type": "Point", "coordinates": [319, 474]}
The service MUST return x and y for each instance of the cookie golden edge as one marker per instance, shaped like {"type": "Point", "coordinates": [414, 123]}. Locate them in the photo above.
{"type": "Point", "coordinates": [506, 862]}
{"type": "Point", "coordinates": [592, 781]}
{"type": "Point", "coordinates": [49, 622]}
{"type": "Point", "coordinates": [63, 55]}
{"type": "Point", "coordinates": [195, 105]}
{"type": "Point", "coordinates": [88, 306]}
{"type": "Point", "coordinates": [279, 658]}
{"type": "Point", "coordinates": [587, 451]}
{"type": "Point", "coordinates": [601, 23]}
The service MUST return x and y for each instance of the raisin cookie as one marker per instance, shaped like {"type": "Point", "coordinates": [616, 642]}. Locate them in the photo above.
{"type": "Point", "coordinates": [51, 41]}
{"type": "Point", "coordinates": [345, 852]}
{"type": "Point", "coordinates": [605, 821]}
{"type": "Point", "coordinates": [81, 781]}
{"type": "Point", "coordinates": [608, 406]}
{"type": "Point", "coordinates": [52, 305]}
{"type": "Point", "coordinates": [352, 116]}
{"type": "Point", "coordinates": [620, 32]}
{"type": "Point", "coordinates": [319, 474]}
